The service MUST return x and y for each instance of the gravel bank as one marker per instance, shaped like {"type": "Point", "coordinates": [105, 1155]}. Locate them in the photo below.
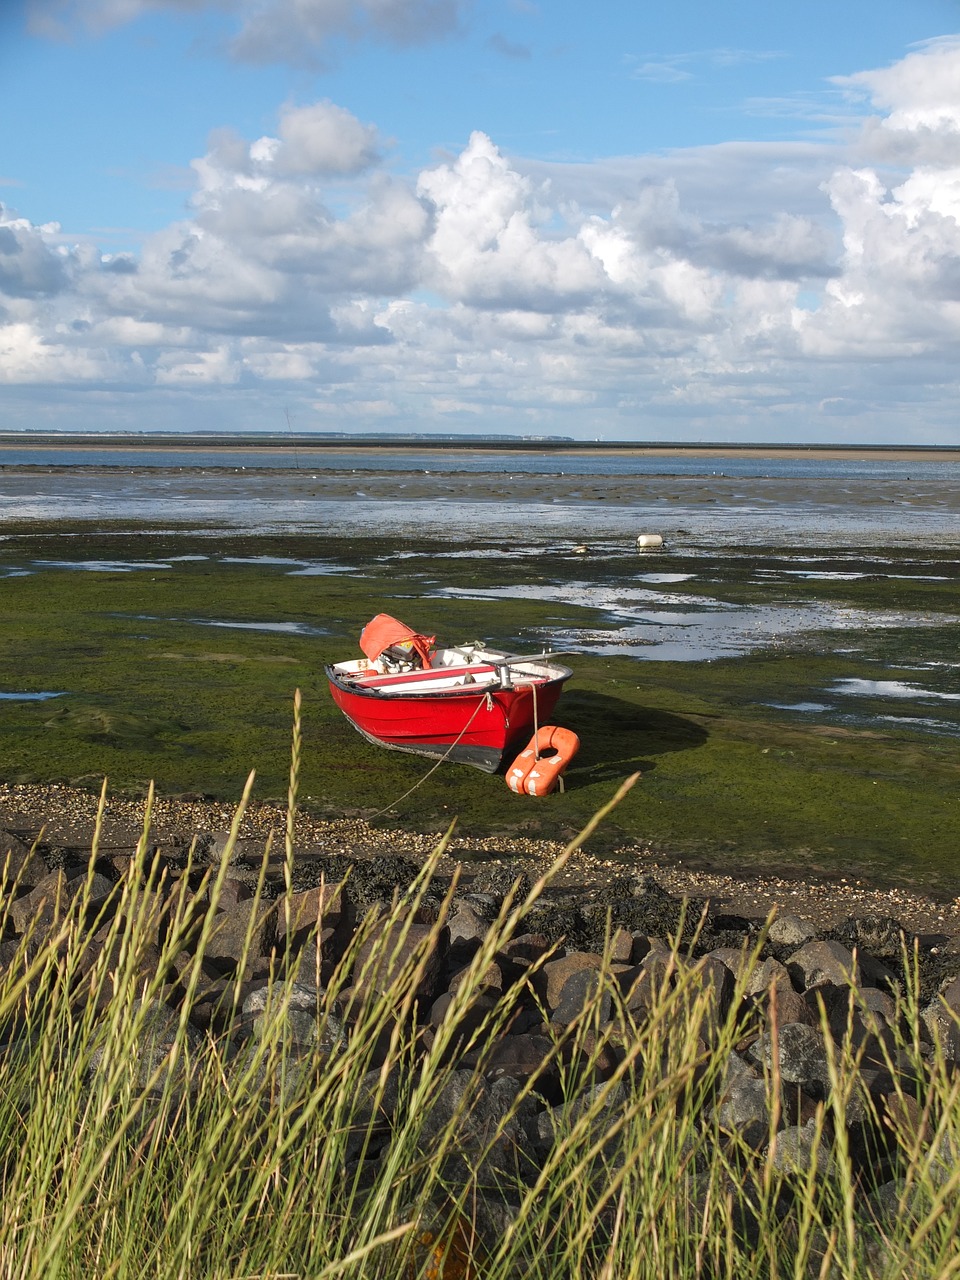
{"type": "Point", "coordinates": [64, 817]}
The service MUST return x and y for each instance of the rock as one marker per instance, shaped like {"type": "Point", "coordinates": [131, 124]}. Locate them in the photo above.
{"type": "Point", "coordinates": [381, 959]}
{"type": "Point", "coordinates": [470, 1020]}
{"type": "Point", "coordinates": [801, 1055]}
{"type": "Point", "coordinates": [736, 960]}
{"type": "Point", "coordinates": [298, 1013]}
{"type": "Point", "coordinates": [245, 932]}
{"type": "Point", "coordinates": [147, 1052]}
{"type": "Point", "coordinates": [308, 910]}
{"type": "Point", "coordinates": [526, 947]}
{"type": "Point", "coordinates": [800, 1148]}
{"type": "Point", "coordinates": [552, 978]}
{"type": "Point", "coordinates": [595, 1111]}
{"type": "Point", "coordinates": [465, 923]}
{"type": "Point", "coordinates": [523, 1056]}
{"type": "Point", "coordinates": [711, 983]}
{"type": "Point", "coordinates": [242, 851]}
{"type": "Point", "coordinates": [581, 988]}
{"type": "Point", "coordinates": [49, 902]}
{"type": "Point", "coordinates": [818, 962]}
{"type": "Point", "coordinates": [788, 930]}
{"type": "Point", "coordinates": [492, 978]}
{"type": "Point", "coordinates": [102, 957]}
{"type": "Point", "coordinates": [232, 892]}
{"type": "Point", "coordinates": [950, 995]}
{"type": "Point", "coordinates": [941, 1022]}
{"type": "Point", "coordinates": [742, 1100]}
{"type": "Point", "coordinates": [639, 990]}
{"type": "Point", "coordinates": [20, 865]}
{"type": "Point", "coordinates": [788, 1006]}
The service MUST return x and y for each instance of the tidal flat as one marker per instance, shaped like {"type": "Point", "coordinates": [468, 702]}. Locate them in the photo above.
{"type": "Point", "coordinates": [789, 711]}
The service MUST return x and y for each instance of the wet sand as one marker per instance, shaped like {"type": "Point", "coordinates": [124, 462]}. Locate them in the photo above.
{"type": "Point", "coordinates": [309, 447]}
{"type": "Point", "coordinates": [419, 485]}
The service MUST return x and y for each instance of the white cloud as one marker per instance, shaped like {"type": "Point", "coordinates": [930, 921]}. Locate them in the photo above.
{"type": "Point", "coordinates": [324, 139]}
{"type": "Point", "coordinates": [486, 246]}
{"type": "Point", "coordinates": [31, 263]}
{"type": "Point", "coordinates": [736, 285]}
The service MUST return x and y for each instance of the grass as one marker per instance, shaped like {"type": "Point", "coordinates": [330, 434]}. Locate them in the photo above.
{"type": "Point", "coordinates": [151, 691]}
{"type": "Point", "coordinates": [132, 1144]}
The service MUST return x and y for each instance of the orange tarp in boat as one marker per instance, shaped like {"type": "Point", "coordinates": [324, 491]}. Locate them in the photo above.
{"type": "Point", "coordinates": [384, 632]}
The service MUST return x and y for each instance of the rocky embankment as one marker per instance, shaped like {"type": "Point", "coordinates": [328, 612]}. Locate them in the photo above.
{"type": "Point", "coordinates": [812, 991]}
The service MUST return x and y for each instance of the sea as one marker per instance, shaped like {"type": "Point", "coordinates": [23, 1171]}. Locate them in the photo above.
{"type": "Point", "coordinates": [800, 499]}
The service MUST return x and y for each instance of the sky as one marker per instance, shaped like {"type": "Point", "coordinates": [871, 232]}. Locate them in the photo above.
{"type": "Point", "coordinates": [623, 221]}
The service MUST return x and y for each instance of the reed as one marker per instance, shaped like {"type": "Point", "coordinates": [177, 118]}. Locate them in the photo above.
{"type": "Point", "coordinates": [132, 1144]}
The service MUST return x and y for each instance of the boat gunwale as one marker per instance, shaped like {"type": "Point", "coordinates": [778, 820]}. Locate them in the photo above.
{"type": "Point", "coordinates": [395, 694]}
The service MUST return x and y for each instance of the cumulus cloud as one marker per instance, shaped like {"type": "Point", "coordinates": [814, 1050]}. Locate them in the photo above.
{"type": "Point", "coordinates": [30, 265]}
{"type": "Point", "coordinates": [920, 100]}
{"type": "Point", "coordinates": [324, 138]}
{"type": "Point", "coordinates": [731, 285]}
{"type": "Point", "coordinates": [486, 247]}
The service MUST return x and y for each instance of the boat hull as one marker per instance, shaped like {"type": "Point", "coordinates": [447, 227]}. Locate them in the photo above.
{"type": "Point", "coordinates": [478, 728]}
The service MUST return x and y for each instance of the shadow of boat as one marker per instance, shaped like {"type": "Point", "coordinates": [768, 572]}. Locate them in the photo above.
{"type": "Point", "coordinates": [618, 737]}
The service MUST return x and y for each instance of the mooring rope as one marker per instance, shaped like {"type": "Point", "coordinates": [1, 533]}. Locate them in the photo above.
{"type": "Point", "coordinates": [433, 768]}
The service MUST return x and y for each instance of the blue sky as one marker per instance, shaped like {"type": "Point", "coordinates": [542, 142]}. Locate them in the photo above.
{"type": "Point", "coordinates": [684, 221]}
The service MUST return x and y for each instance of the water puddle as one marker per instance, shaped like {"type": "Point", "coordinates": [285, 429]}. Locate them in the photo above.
{"type": "Point", "coordinates": [923, 723]}
{"type": "Point", "coordinates": [665, 577]}
{"type": "Point", "coordinates": [320, 569]}
{"type": "Point", "coordinates": [280, 560]}
{"type": "Point", "coordinates": [299, 569]}
{"type": "Point", "coordinates": [28, 697]}
{"type": "Point", "coordinates": [889, 689]}
{"type": "Point", "coordinates": [805, 707]}
{"type": "Point", "coordinates": [281, 628]}
{"type": "Point", "coordinates": [838, 575]}
{"type": "Point", "coordinates": [105, 566]}
{"type": "Point", "coordinates": [665, 626]}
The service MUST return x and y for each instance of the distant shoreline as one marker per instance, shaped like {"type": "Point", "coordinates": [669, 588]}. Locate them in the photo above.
{"type": "Point", "coordinates": [107, 442]}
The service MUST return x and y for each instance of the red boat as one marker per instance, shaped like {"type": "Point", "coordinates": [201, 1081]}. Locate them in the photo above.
{"type": "Point", "coordinates": [467, 703]}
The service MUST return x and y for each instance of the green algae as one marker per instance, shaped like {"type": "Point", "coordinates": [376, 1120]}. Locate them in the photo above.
{"type": "Point", "coordinates": [732, 776]}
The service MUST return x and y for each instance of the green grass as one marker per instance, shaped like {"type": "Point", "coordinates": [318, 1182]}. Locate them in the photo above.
{"type": "Point", "coordinates": [133, 1145]}
{"type": "Point", "coordinates": [151, 694]}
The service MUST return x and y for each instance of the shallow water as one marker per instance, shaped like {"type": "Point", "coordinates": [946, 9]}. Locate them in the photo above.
{"type": "Point", "coordinates": [809, 512]}
{"type": "Point", "coordinates": [29, 697]}
{"type": "Point", "coordinates": [664, 626]}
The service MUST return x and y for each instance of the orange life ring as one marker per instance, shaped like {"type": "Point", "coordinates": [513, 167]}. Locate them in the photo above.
{"type": "Point", "coordinates": [541, 764]}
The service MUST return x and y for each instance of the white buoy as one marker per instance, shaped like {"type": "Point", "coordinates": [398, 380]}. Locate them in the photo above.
{"type": "Point", "coordinates": [649, 542]}
{"type": "Point", "coordinates": [580, 551]}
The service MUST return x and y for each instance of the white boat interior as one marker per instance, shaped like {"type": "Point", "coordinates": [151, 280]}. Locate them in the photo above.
{"type": "Point", "coordinates": [470, 667]}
